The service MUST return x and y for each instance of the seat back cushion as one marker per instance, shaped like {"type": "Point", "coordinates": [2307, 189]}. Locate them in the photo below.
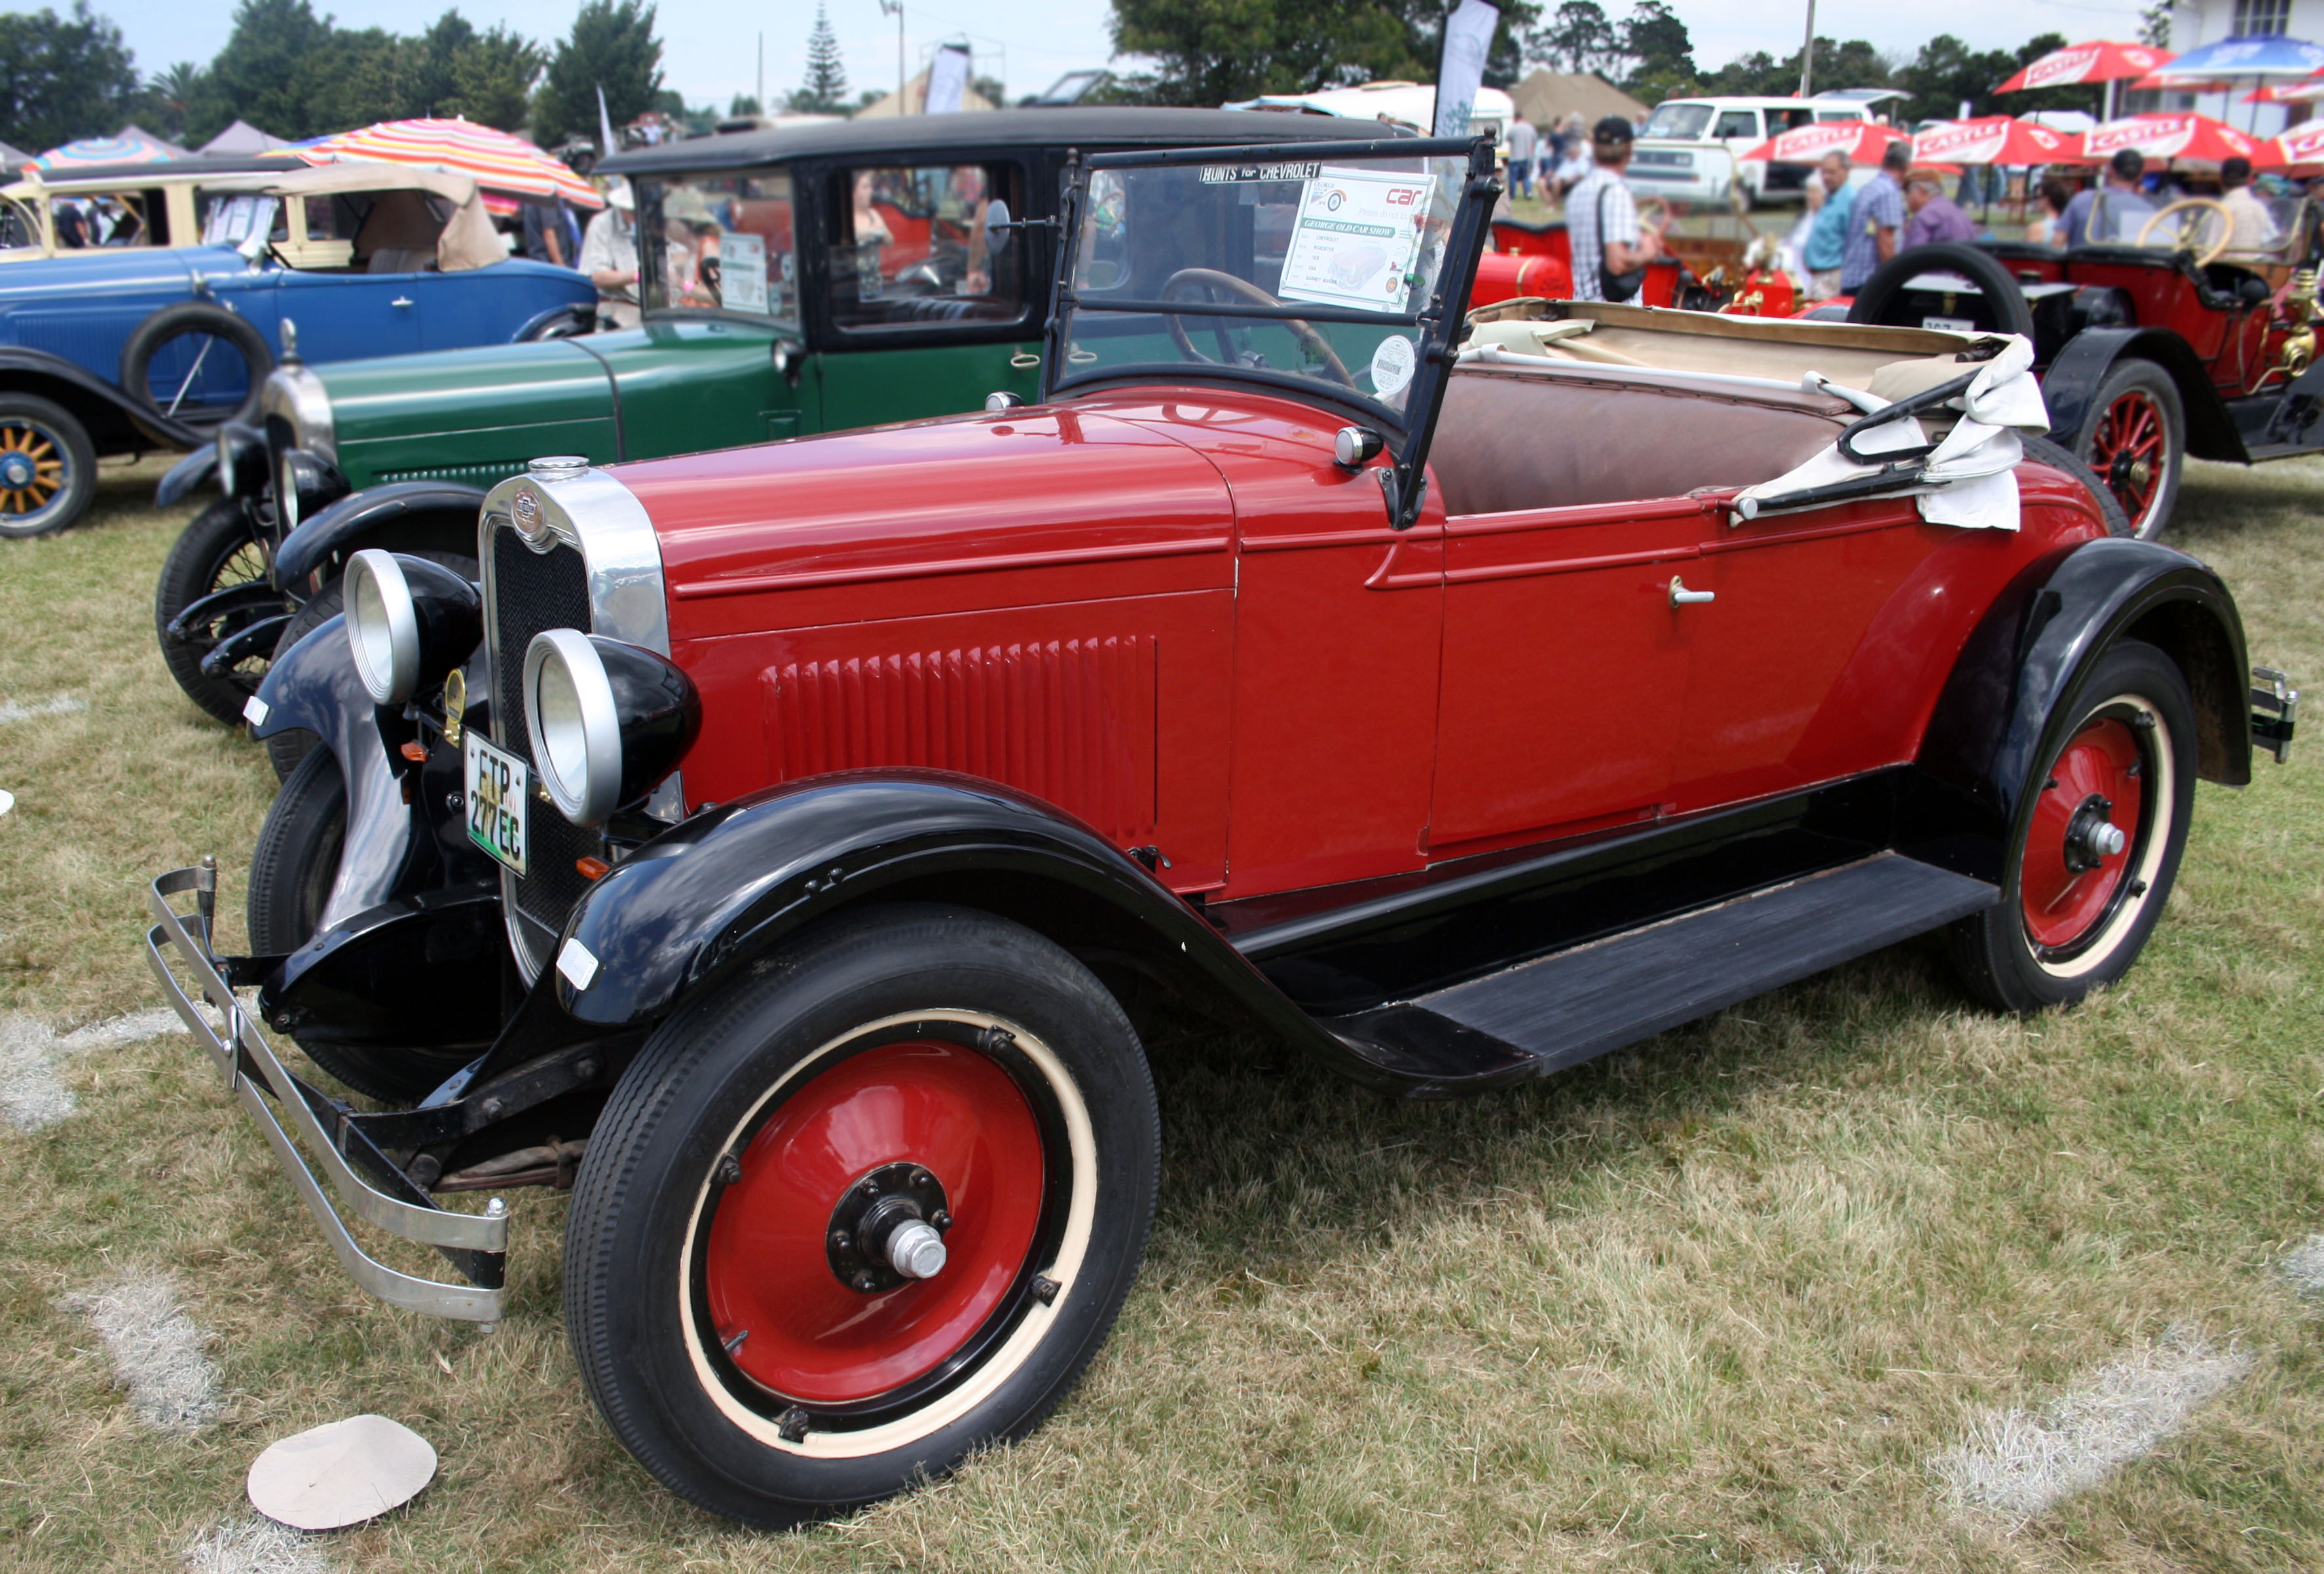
{"type": "Point", "coordinates": [1510, 439]}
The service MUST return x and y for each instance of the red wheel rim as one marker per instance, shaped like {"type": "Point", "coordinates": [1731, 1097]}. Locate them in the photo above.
{"type": "Point", "coordinates": [783, 1316]}
{"type": "Point", "coordinates": [2065, 900]}
{"type": "Point", "coordinates": [2129, 450]}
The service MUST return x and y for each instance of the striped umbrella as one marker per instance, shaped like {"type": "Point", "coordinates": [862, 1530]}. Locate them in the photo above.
{"type": "Point", "coordinates": [495, 160]}
{"type": "Point", "coordinates": [133, 146]}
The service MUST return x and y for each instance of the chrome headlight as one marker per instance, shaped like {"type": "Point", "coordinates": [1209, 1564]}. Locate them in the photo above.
{"type": "Point", "coordinates": [607, 721]}
{"type": "Point", "coordinates": [406, 616]}
{"type": "Point", "coordinates": [304, 485]}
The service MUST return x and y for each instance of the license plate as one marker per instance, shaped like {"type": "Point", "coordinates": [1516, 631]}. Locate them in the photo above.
{"type": "Point", "coordinates": [499, 787]}
{"type": "Point", "coordinates": [1949, 325]}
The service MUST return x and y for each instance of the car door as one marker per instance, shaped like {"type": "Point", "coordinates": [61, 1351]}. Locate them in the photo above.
{"type": "Point", "coordinates": [922, 310]}
{"type": "Point", "coordinates": [346, 316]}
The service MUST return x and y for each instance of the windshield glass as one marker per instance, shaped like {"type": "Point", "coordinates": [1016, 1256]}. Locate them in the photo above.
{"type": "Point", "coordinates": [726, 243]}
{"type": "Point", "coordinates": [1357, 243]}
{"type": "Point", "coordinates": [1684, 122]}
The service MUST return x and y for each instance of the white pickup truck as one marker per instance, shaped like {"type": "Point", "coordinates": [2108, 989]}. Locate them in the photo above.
{"type": "Point", "coordinates": [1690, 148]}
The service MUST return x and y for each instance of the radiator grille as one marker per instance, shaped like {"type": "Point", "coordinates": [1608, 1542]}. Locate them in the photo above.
{"type": "Point", "coordinates": [1069, 721]}
{"type": "Point", "coordinates": [533, 590]}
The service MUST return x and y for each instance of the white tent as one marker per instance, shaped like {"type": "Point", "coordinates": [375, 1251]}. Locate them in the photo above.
{"type": "Point", "coordinates": [242, 137]}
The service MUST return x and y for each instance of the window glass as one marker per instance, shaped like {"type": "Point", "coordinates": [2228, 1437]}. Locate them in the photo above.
{"type": "Point", "coordinates": [230, 218]}
{"type": "Point", "coordinates": [1785, 119]}
{"type": "Point", "coordinates": [1681, 122]}
{"type": "Point", "coordinates": [1738, 122]}
{"type": "Point", "coordinates": [1364, 236]}
{"type": "Point", "coordinates": [726, 243]}
{"type": "Point", "coordinates": [910, 246]}
{"type": "Point", "coordinates": [2261, 18]}
{"type": "Point", "coordinates": [18, 227]}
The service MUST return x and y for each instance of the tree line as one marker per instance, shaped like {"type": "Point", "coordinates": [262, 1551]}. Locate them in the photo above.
{"type": "Point", "coordinates": [1218, 51]}
{"type": "Point", "coordinates": [298, 75]}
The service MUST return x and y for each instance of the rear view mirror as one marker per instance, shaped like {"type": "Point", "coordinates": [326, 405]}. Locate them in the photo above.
{"type": "Point", "coordinates": [996, 226]}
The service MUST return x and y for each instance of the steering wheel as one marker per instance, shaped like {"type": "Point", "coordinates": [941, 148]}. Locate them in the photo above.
{"type": "Point", "coordinates": [1655, 214]}
{"type": "Point", "coordinates": [1305, 331]}
{"type": "Point", "coordinates": [2189, 210]}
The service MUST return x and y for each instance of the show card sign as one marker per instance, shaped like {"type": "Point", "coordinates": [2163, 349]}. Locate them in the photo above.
{"type": "Point", "coordinates": [743, 271]}
{"type": "Point", "coordinates": [1356, 236]}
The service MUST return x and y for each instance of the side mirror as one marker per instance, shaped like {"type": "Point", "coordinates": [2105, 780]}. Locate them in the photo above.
{"type": "Point", "coordinates": [997, 226]}
{"type": "Point", "coordinates": [251, 249]}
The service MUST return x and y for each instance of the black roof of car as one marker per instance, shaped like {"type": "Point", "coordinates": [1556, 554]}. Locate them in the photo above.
{"type": "Point", "coordinates": [915, 134]}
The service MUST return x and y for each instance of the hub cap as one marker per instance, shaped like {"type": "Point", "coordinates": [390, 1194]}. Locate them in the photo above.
{"type": "Point", "coordinates": [926, 1157]}
{"type": "Point", "coordinates": [2080, 848]}
{"type": "Point", "coordinates": [2129, 451]}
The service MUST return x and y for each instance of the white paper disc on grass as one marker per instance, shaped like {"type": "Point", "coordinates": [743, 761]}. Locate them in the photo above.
{"type": "Point", "coordinates": [341, 1474]}
{"type": "Point", "coordinates": [7, 800]}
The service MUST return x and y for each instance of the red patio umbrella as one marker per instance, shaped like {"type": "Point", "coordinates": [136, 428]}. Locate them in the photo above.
{"type": "Point", "coordinates": [2179, 135]}
{"type": "Point", "coordinates": [1994, 139]}
{"type": "Point", "coordinates": [1862, 141]}
{"type": "Point", "coordinates": [2102, 61]}
{"type": "Point", "coordinates": [2302, 145]}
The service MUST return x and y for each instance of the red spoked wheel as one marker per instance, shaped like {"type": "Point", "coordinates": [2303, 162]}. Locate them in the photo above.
{"type": "Point", "coordinates": [2087, 822]}
{"type": "Point", "coordinates": [803, 1296]}
{"type": "Point", "coordinates": [2098, 844]}
{"type": "Point", "coordinates": [872, 1204]}
{"type": "Point", "coordinates": [2134, 439]}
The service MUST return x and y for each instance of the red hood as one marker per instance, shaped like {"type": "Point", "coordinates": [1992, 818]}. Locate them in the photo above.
{"type": "Point", "coordinates": [956, 496]}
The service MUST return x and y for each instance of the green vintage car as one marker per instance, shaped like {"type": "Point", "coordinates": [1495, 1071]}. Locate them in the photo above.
{"type": "Point", "coordinates": [806, 280]}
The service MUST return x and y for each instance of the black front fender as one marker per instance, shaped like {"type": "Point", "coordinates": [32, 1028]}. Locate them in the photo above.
{"type": "Point", "coordinates": [1993, 722]}
{"type": "Point", "coordinates": [87, 395]}
{"type": "Point", "coordinates": [400, 516]}
{"type": "Point", "coordinates": [711, 897]}
{"type": "Point", "coordinates": [2071, 382]}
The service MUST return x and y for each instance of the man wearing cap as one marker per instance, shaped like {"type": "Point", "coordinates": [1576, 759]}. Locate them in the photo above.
{"type": "Point", "coordinates": [1601, 221]}
{"type": "Point", "coordinates": [609, 255]}
{"type": "Point", "coordinates": [2117, 211]}
{"type": "Point", "coordinates": [1936, 215]}
{"type": "Point", "coordinates": [1876, 219]}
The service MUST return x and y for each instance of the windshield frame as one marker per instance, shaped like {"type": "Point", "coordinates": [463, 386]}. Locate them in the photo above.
{"type": "Point", "coordinates": [1439, 324]}
{"type": "Point", "coordinates": [653, 259]}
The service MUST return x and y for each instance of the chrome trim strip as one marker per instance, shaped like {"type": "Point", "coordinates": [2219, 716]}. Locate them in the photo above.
{"type": "Point", "coordinates": [247, 1050]}
{"type": "Point", "coordinates": [296, 394]}
{"type": "Point", "coordinates": [593, 512]}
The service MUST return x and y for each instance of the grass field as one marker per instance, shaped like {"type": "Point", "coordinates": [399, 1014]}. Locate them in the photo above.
{"type": "Point", "coordinates": [1732, 1299]}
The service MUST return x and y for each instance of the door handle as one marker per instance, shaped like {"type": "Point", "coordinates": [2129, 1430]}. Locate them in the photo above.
{"type": "Point", "coordinates": [400, 300]}
{"type": "Point", "coordinates": [1024, 358]}
{"type": "Point", "coordinates": [1680, 597]}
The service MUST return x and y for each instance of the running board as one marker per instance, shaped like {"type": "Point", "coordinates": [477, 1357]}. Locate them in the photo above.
{"type": "Point", "coordinates": [1558, 1011]}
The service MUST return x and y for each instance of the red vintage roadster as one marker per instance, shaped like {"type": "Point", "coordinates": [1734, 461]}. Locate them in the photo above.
{"type": "Point", "coordinates": [766, 847]}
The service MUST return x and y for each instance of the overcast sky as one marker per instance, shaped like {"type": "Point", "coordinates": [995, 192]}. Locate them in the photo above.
{"type": "Point", "coordinates": [710, 50]}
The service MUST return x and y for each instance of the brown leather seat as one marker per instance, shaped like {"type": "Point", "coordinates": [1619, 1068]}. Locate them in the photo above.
{"type": "Point", "coordinates": [1510, 439]}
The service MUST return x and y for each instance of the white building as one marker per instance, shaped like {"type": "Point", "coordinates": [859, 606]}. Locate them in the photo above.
{"type": "Point", "coordinates": [2202, 21]}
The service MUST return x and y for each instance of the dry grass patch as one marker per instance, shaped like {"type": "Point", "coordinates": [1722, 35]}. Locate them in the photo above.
{"type": "Point", "coordinates": [1716, 1302]}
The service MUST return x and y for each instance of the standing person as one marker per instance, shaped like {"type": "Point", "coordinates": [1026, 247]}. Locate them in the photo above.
{"type": "Point", "coordinates": [1936, 215]}
{"type": "Point", "coordinates": [1522, 139]}
{"type": "Point", "coordinates": [1602, 220]}
{"type": "Point", "coordinates": [2255, 226]}
{"type": "Point", "coordinates": [1876, 219]}
{"type": "Point", "coordinates": [1827, 247]}
{"type": "Point", "coordinates": [2099, 216]}
{"type": "Point", "coordinates": [609, 255]}
{"type": "Point", "coordinates": [551, 235]}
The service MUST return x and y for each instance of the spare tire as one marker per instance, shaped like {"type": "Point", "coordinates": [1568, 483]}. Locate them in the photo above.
{"type": "Point", "coordinates": [199, 320]}
{"type": "Point", "coordinates": [1879, 299]}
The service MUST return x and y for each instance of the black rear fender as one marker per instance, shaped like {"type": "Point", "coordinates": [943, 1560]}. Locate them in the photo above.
{"type": "Point", "coordinates": [114, 421]}
{"type": "Point", "coordinates": [1993, 722]}
{"type": "Point", "coordinates": [721, 893]}
{"type": "Point", "coordinates": [403, 516]}
{"type": "Point", "coordinates": [2072, 379]}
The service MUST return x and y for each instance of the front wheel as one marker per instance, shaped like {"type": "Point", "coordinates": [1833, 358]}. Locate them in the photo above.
{"type": "Point", "coordinates": [860, 1212]}
{"type": "Point", "coordinates": [217, 551]}
{"type": "Point", "coordinates": [47, 466]}
{"type": "Point", "coordinates": [2092, 862]}
{"type": "Point", "coordinates": [2135, 438]}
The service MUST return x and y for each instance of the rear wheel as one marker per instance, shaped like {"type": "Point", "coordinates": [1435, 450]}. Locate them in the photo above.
{"type": "Point", "coordinates": [47, 466]}
{"type": "Point", "coordinates": [2093, 860]}
{"type": "Point", "coordinates": [2135, 438]}
{"type": "Point", "coordinates": [216, 552]}
{"type": "Point", "coordinates": [860, 1212]}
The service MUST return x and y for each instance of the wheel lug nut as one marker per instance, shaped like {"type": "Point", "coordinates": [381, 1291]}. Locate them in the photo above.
{"type": "Point", "coordinates": [921, 1177]}
{"type": "Point", "coordinates": [865, 1282]}
{"type": "Point", "coordinates": [840, 1237]}
{"type": "Point", "coordinates": [870, 1188]}
{"type": "Point", "coordinates": [941, 1219]}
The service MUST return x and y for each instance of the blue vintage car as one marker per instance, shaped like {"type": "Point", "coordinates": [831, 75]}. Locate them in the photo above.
{"type": "Point", "coordinates": [117, 350]}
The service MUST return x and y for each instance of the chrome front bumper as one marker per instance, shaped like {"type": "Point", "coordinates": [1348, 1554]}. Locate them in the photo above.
{"type": "Point", "coordinates": [2275, 712]}
{"type": "Point", "coordinates": [476, 1245]}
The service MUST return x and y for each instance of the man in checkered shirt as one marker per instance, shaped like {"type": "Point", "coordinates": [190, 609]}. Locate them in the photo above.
{"type": "Point", "coordinates": [1618, 242]}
